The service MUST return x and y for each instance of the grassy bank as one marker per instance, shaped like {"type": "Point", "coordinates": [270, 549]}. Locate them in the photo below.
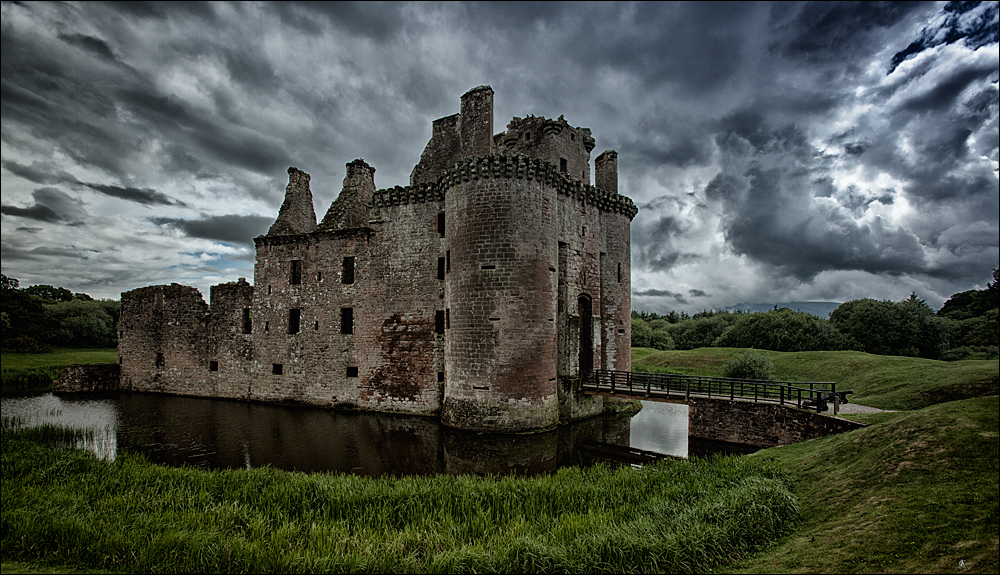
{"type": "Point", "coordinates": [63, 507]}
{"type": "Point", "coordinates": [914, 492]}
{"type": "Point", "coordinates": [31, 373]}
{"type": "Point", "coordinates": [886, 382]}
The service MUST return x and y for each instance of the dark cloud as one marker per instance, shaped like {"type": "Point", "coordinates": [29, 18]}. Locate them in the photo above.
{"type": "Point", "coordinates": [975, 23]}
{"type": "Point", "coordinates": [51, 205]}
{"type": "Point", "coordinates": [93, 45]}
{"type": "Point", "coordinates": [143, 196]}
{"type": "Point", "coordinates": [824, 31]}
{"type": "Point", "coordinates": [232, 229]}
{"type": "Point", "coordinates": [697, 293]}
{"type": "Point", "coordinates": [678, 298]}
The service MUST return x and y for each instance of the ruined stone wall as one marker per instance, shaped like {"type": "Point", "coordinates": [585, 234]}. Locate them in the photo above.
{"type": "Point", "coordinates": [402, 314]}
{"type": "Point", "coordinates": [87, 377]}
{"type": "Point", "coordinates": [164, 338]}
{"type": "Point", "coordinates": [300, 351]}
{"type": "Point", "coordinates": [555, 141]}
{"type": "Point", "coordinates": [442, 151]}
{"type": "Point", "coordinates": [229, 349]}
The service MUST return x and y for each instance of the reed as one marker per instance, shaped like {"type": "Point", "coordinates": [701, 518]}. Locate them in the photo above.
{"type": "Point", "coordinates": [65, 507]}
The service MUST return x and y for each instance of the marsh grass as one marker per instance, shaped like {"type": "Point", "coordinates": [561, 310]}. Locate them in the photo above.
{"type": "Point", "coordinates": [61, 506]}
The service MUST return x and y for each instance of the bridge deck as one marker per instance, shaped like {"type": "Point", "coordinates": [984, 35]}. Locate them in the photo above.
{"type": "Point", "coordinates": [677, 388]}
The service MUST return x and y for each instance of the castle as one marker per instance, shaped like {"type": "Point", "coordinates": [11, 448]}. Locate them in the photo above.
{"type": "Point", "coordinates": [479, 293]}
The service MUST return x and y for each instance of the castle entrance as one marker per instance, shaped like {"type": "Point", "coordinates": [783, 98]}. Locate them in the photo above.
{"type": "Point", "coordinates": [585, 309]}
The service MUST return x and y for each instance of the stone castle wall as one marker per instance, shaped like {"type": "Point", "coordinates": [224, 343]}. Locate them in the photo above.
{"type": "Point", "coordinates": [478, 293]}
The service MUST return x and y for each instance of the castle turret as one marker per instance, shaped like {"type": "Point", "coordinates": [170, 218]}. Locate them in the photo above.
{"type": "Point", "coordinates": [297, 215]}
{"type": "Point", "coordinates": [502, 236]}
{"type": "Point", "coordinates": [348, 210]}
{"type": "Point", "coordinates": [477, 122]}
{"type": "Point", "coordinates": [606, 171]}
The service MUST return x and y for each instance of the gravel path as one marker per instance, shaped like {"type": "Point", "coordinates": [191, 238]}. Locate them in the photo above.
{"type": "Point", "coordinates": [858, 408]}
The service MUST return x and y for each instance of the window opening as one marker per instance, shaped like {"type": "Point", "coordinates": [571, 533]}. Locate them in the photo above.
{"type": "Point", "coordinates": [277, 368]}
{"type": "Point", "coordinates": [247, 322]}
{"type": "Point", "coordinates": [348, 276]}
{"type": "Point", "coordinates": [439, 321]}
{"type": "Point", "coordinates": [619, 273]}
{"type": "Point", "coordinates": [447, 261]}
{"type": "Point", "coordinates": [347, 320]}
{"type": "Point", "coordinates": [562, 165]}
{"type": "Point", "coordinates": [296, 278]}
{"type": "Point", "coordinates": [440, 377]}
{"type": "Point", "coordinates": [440, 224]}
{"type": "Point", "coordinates": [213, 366]}
{"type": "Point", "coordinates": [316, 326]}
{"type": "Point", "coordinates": [440, 268]}
{"type": "Point", "coordinates": [352, 371]}
{"type": "Point", "coordinates": [159, 360]}
{"type": "Point", "coordinates": [293, 320]}
{"type": "Point", "coordinates": [319, 276]}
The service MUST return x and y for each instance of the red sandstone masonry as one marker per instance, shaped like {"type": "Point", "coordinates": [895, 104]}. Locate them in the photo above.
{"type": "Point", "coordinates": [465, 288]}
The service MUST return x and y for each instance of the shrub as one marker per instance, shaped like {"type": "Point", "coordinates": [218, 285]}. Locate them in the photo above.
{"type": "Point", "coordinates": [748, 364]}
{"type": "Point", "coordinates": [641, 334]}
{"type": "Point", "coordinates": [661, 340]}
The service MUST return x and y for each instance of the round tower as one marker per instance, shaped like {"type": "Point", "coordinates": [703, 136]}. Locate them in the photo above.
{"type": "Point", "coordinates": [502, 290]}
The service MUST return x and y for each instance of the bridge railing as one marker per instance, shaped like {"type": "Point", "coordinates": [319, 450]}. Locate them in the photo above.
{"type": "Point", "coordinates": [802, 394]}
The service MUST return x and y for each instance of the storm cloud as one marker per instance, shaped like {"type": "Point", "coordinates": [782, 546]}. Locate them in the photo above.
{"type": "Point", "coordinates": [776, 151]}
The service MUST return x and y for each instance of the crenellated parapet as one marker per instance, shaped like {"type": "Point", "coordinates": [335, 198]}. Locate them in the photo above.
{"type": "Point", "coordinates": [523, 167]}
{"type": "Point", "coordinates": [399, 195]}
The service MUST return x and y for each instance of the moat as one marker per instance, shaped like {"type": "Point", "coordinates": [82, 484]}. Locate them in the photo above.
{"type": "Point", "coordinates": [220, 434]}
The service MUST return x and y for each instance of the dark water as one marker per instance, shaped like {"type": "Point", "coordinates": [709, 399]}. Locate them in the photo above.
{"type": "Point", "coordinates": [220, 434]}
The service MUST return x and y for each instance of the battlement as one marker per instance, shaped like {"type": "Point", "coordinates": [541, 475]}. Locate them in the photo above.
{"type": "Point", "coordinates": [478, 293]}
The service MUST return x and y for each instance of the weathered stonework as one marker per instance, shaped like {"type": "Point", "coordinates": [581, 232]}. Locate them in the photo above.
{"type": "Point", "coordinates": [759, 424]}
{"type": "Point", "coordinates": [479, 293]}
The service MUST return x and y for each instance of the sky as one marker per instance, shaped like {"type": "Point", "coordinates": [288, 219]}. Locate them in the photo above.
{"type": "Point", "coordinates": [776, 151]}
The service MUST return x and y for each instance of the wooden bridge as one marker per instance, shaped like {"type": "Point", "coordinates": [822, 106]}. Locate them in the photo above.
{"type": "Point", "coordinates": [677, 388]}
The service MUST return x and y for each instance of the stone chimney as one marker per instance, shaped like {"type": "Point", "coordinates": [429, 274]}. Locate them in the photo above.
{"type": "Point", "coordinates": [606, 171]}
{"type": "Point", "coordinates": [297, 215]}
{"type": "Point", "coordinates": [477, 122]}
{"type": "Point", "coordinates": [349, 209]}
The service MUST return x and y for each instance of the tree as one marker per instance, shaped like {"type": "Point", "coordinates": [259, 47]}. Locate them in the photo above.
{"type": "Point", "coordinates": [872, 326]}
{"type": "Point", "coordinates": [641, 333]}
{"type": "Point", "coordinates": [49, 293]}
{"type": "Point", "coordinates": [782, 330]}
{"type": "Point", "coordinates": [80, 323]}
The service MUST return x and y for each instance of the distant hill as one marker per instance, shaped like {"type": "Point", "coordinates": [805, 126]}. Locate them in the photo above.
{"type": "Point", "coordinates": [817, 308]}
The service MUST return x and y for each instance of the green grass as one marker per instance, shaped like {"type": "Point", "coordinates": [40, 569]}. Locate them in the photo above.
{"type": "Point", "coordinates": [914, 492]}
{"type": "Point", "coordinates": [32, 373]}
{"type": "Point", "coordinates": [64, 507]}
{"type": "Point", "coordinates": [886, 382]}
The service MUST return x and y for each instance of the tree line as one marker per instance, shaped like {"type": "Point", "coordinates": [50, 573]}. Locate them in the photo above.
{"type": "Point", "coordinates": [966, 323]}
{"type": "Point", "coordinates": [37, 317]}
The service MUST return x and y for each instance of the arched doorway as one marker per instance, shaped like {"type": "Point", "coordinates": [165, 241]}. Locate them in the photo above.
{"type": "Point", "coordinates": [585, 309]}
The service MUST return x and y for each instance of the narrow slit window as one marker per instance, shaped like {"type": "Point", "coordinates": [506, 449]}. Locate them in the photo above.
{"type": "Point", "coordinates": [296, 278]}
{"type": "Point", "coordinates": [348, 275]}
{"type": "Point", "coordinates": [563, 167]}
{"type": "Point", "coordinates": [439, 321]}
{"type": "Point", "coordinates": [619, 273]}
{"type": "Point", "coordinates": [319, 276]}
{"type": "Point", "coordinates": [447, 261]}
{"type": "Point", "coordinates": [440, 268]}
{"type": "Point", "coordinates": [247, 321]}
{"type": "Point", "coordinates": [347, 320]}
{"type": "Point", "coordinates": [440, 224]}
